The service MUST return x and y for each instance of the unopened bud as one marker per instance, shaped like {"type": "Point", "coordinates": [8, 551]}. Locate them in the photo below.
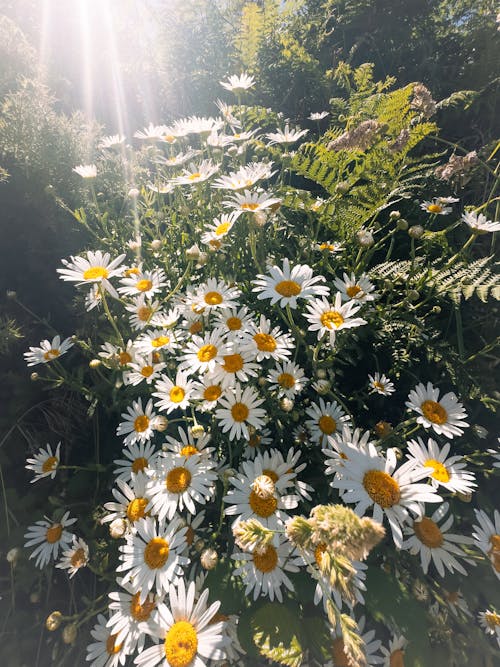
{"type": "Point", "coordinates": [133, 193]}
{"type": "Point", "coordinates": [199, 545]}
{"type": "Point", "coordinates": [342, 187]}
{"type": "Point", "coordinates": [365, 238]}
{"type": "Point", "coordinates": [402, 224]}
{"type": "Point", "coordinates": [322, 387]}
{"type": "Point", "coordinates": [413, 295]}
{"type": "Point", "coordinates": [69, 633]}
{"type": "Point", "coordinates": [134, 244]}
{"type": "Point", "coordinates": [13, 556]}
{"type": "Point", "coordinates": [94, 363]}
{"type": "Point", "coordinates": [286, 404]}
{"type": "Point", "coordinates": [197, 431]}
{"type": "Point", "coordinates": [262, 381]}
{"type": "Point", "coordinates": [34, 377]}
{"type": "Point", "coordinates": [321, 373]}
{"type": "Point", "coordinates": [117, 528]}
{"type": "Point", "coordinates": [160, 423]}
{"type": "Point", "coordinates": [382, 429]}
{"type": "Point", "coordinates": [209, 559]}
{"type": "Point", "coordinates": [416, 231]}
{"type": "Point", "coordinates": [465, 497]}
{"type": "Point", "coordinates": [193, 252]}
{"type": "Point", "coordinates": [202, 259]}
{"type": "Point", "coordinates": [260, 218]}
{"type": "Point", "coordinates": [228, 473]}
{"type": "Point", "coordinates": [436, 310]}
{"type": "Point", "coordinates": [155, 244]}
{"type": "Point", "coordinates": [10, 294]}
{"type": "Point", "coordinates": [53, 621]}
{"type": "Point", "coordinates": [394, 215]}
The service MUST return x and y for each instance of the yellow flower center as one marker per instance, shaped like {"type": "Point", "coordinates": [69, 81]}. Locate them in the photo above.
{"type": "Point", "coordinates": [215, 244]}
{"type": "Point", "coordinates": [54, 533]}
{"type": "Point", "coordinates": [434, 208]}
{"type": "Point", "coordinates": [353, 290]}
{"type": "Point", "coordinates": [147, 371]}
{"type": "Point", "coordinates": [331, 319]}
{"type": "Point", "coordinates": [428, 533]}
{"type": "Point", "coordinates": [379, 385]}
{"type": "Point", "coordinates": [181, 644]}
{"type": "Point", "coordinates": [326, 246]}
{"type": "Point", "coordinates": [265, 342]}
{"type": "Point", "coordinates": [136, 509]}
{"type": "Point", "coordinates": [134, 271]}
{"type": "Point", "coordinates": [288, 288]}
{"type": "Point", "coordinates": [141, 612]}
{"type": "Point", "coordinates": [440, 471]}
{"type": "Point", "coordinates": [160, 341]}
{"type": "Point", "coordinates": [50, 463]}
{"type": "Point", "coordinates": [188, 451]}
{"type": "Point", "coordinates": [143, 285]}
{"type": "Point", "coordinates": [195, 176]}
{"type": "Point", "coordinates": [156, 553]}
{"type": "Point", "coordinates": [267, 560]}
{"type": "Point", "coordinates": [271, 474]}
{"type": "Point", "coordinates": [232, 363]}
{"type": "Point", "coordinates": [249, 206]}
{"type": "Point", "coordinates": [492, 619]}
{"type": "Point", "coordinates": [156, 357]}
{"type": "Point", "coordinates": [397, 658]}
{"type": "Point", "coordinates": [494, 552]}
{"type": "Point", "coordinates": [177, 394]}
{"type": "Point", "coordinates": [141, 423]}
{"type": "Point", "coordinates": [111, 647]}
{"type": "Point", "coordinates": [144, 313]}
{"type": "Point", "coordinates": [95, 273]}
{"type": "Point", "coordinates": [434, 412]}
{"type": "Point", "coordinates": [139, 464]}
{"type": "Point", "coordinates": [263, 507]}
{"type": "Point", "coordinates": [207, 353]}
{"type": "Point", "coordinates": [382, 488]}
{"type": "Point", "coordinates": [327, 424]}
{"type": "Point", "coordinates": [178, 480]}
{"type": "Point", "coordinates": [78, 559]}
{"type": "Point", "coordinates": [124, 358]}
{"type": "Point", "coordinates": [223, 228]}
{"type": "Point", "coordinates": [233, 323]}
{"type": "Point", "coordinates": [239, 412]}
{"type": "Point", "coordinates": [318, 553]}
{"type": "Point", "coordinates": [339, 656]}
{"type": "Point", "coordinates": [213, 298]}
{"type": "Point", "coordinates": [51, 354]}
{"type": "Point", "coordinates": [212, 393]}
{"type": "Point", "coordinates": [286, 380]}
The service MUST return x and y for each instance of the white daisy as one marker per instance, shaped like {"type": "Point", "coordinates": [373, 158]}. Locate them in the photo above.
{"type": "Point", "coordinates": [117, 355]}
{"type": "Point", "coordinates": [443, 471]}
{"type": "Point", "coordinates": [131, 501]}
{"type": "Point", "coordinates": [436, 207]}
{"type": "Point", "coordinates": [201, 355]}
{"type": "Point", "coordinates": [86, 170]}
{"type": "Point", "coordinates": [138, 424]}
{"type": "Point", "coordinates": [48, 351]}
{"type": "Point", "coordinates": [285, 136]}
{"type": "Point", "coordinates": [239, 411]}
{"type": "Point", "coordinates": [106, 651]}
{"type": "Point", "coordinates": [490, 622]}
{"type": "Point", "coordinates": [172, 395]}
{"type": "Point", "coordinates": [237, 84]}
{"type": "Point", "coordinates": [112, 141]}
{"type": "Point", "coordinates": [236, 365]}
{"type": "Point", "coordinates": [146, 283]}
{"type": "Point", "coordinates": [189, 636]}
{"type": "Point", "coordinates": [209, 390]}
{"type": "Point", "coordinates": [445, 416]}
{"type": "Point", "coordinates": [257, 439]}
{"type": "Point", "coordinates": [370, 479]}
{"type": "Point", "coordinates": [139, 457]}
{"type": "Point", "coordinates": [186, 445]}
{"type": "Point", "coordinates": [178, 482]}
{"type": "Point", "coordinates": [74, 558]}
{"type": "Point", "coordinates": [96, 268]}
{"type": "Point", "coordinates": [479, 224]}
{"type": "Point", "coordinates": [380, 384]}
{"type": "Point", "coordinates": [318, 115]}
{"type": "Point", "coordinates": [266, 342]}
{"type": "Point", "coordinates": [151, 132]}
{"type": "Point", "coordinates": [196, 173]}
{"type": "Point", "coordinates": [487, 537]}
{"type": "Point", "coordinates": [326, 419]}
{"type": "Point", "coordinates": [130, 621]}
{"type": "Point", "coordinates": [430, 538]}
{"type": "Point", "coordinates": [44, 463]}
{"type": "Point", "coordinates": [50, 536]}
{"type": "Point", "coordinates": [287, 285]}
{"type": "Point", "coordinates": [155, 340]}
{"type": "Point", "coordinates": [331, 247]}
{"type": "Point", "coordinates": [264, 570]}
{"type": "Point", "coordinates": [143, 369]}
{"type": "Point", "coordinates": [251, 202]}
{"type": "Point", "coordinates": [288, 379]}
{"type": "Point", "coordinates": [394, 655]}
{"type": "Point", "coordinates": [221, 226]}
{"type": "Point", "coordinates": [339, 443]}
{"type": "Point", "coordinates": [152, 557]}
{"type": "Point", "coordinates": [245, 177]}
{"type": "Point", "coordinates": [142, 311]}
{"type": "Point", "coordinates": [198, 125]}
{"type": "Point", "coordinates": [215, 294]}
{"type": "Point", "coordinates": [327, 318]}
{"type": "Point", "coordinates": [359, 289]}
{"type": "Point", "coordinates": [178, 159]}
{"type": "Point", "coordinates": [233, 322]}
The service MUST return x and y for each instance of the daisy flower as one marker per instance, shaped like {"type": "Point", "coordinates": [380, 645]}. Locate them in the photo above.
{"type": "Point", "coordinates": [331, 247]}
{"type": "Point", "coordinates": [237, 84]}
{"type": "Point", "coordinates": [189, 635]}
{"type": "Point", "coordinates": [429, 537]}
{"type": "Point", "coordinates": [251, 202]}
{"type": "Point", "coordinates": [96, 268]}
{"type": "Point", "coordinates": [436, 207]}
{"type": "Point", "coordinates": [380, 384]}
{"type": "Point", "coordinates": [236, 365]}
{"type": "Point", "coordinates": [198, 125]}
{"type": "Point", "coordinates": [285, 136]}
{"type": "Point", "coordinates": [327, 318]}
{"type": "Point", "coordinates": [318, 115]}
{"type": "Point", "coordinates": [326, 419]}
{"type": "Point", "coordinates": [370, 648]}
{"type": "Point", "coordinates": [359, 289]}
{"type": "Point", "coordinates": [44, 463]}
{"type": "Point", "coordinates": [239, 411]}
{"type": "Point", "coordinates": [479, 224]}
{"type": "Point", "coordinates": [203, 354]}
{"type": "Point", "coordinates": [288, 379]}
{"type": "Point", "coordinates": [139, 457]}
{"type": "Point", "coordinates": [370, 479]}
{"type": "Point", "coordinates": [287, 285]}
{"type": "Point", "coordinates": [172, 395]}
{"type": "Point", "coordinates": [233, 322]}
{"type": "Point", "coordinates": [93, 298]}
{"type": "Point", "coordinates": [339, 443]}
{"type": "Point", "coordinates": [106, 651]}
{"type": "Point", "coordinates": [138, 424]}
{"type": "Point", "coordinates": [266, 342]}
{"type": "Point", "coordinates": [177, 482]}
{"type": "Point", "coordinates": [131, 501]}
{"type": "Point", "coordinates": [143, 369]}
{"type": "Point", "coordinates": [215, 294]}
{"type": "Point", "coordinates": [151, 132]}
{"type": "Point", "coordinates": [487, 537]}
{"type": "Point", "coordinates": [186, 445]}
{"type": "Point", "coordinates": [445, 416]}
{"type": "Point", "coordinates": [442, 471]}
{"type": "Point", "coordinates": [130, 621]}
{"type": "Point", "coordinates": [490, 622]}
{"type": "Point", "coordinates": [48, 351]}
{"type": "Point", "coordinates": [209, 391]}
{"type": "Point", "coordinates": [394, 655]}
{"type": "Point", "coordinates": [86, 170]}
{"type": "Point", "coordinates": [245, 177]}
{"type": "Point", "coordinates": [264, 570]}
{"type": "Point", "coordinates": [112, 141]}
{"type": "Point", "coordinates": [196, 173]}
{"type": "Point", "coordinates": [177, 160]}
{"type": "Point", "coordinates": [75, 557]}
{"type": "Point", "coordinates": [146, 283]}
{"type": "Point", "coordinates": [49, 536]}
{"type": "Point", "coordinates": [155, 340]}
{"type": "Point", "coordinates": [221, 226]}
{"type": "Point", "coordinates": [142, 311]}
{"type": "Point", "coordinates": [120, 356]}
{"type": "Point", "coordinates": [257, 439]}
{"type": "Point", "coordinates": [151, 557]}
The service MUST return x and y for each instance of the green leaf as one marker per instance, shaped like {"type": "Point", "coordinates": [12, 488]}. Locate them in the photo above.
{"type": "Point", "coordinates": [276, 632]}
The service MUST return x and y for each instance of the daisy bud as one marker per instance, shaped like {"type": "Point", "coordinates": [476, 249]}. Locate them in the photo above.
{"type": "Point", "coordinates": [34, 377]}
{"type": "Point", "coordinates": [382, 429]}
{"type": "Point", "coordinates": [322, 387]}
{"type": "Point", "coordinates": [402, 224]}
{"type": "Point", "coordinates": [228, 473]}
{"type": "Point", "coordinates": [365, 238]}
{"type": "Point", "coordinates": [413, 295]}
{"type": "Point", "coordinates": [155, 244]}
{"type": "Point", "coordinates": [342, 187]}
{"type": "Point", "coordinates": [262, 381]}
{"type": "Point", "coordinates": [209, 559]}
{"type": "Point", "coordinates": [394, 215]}
{"type": "Point", "coordinates": [263, 486]}
{"type": "Point", "coordinates": [436, 310]}
{"type": "Point", "coordinates": [197, 431]}
{"type": "Point", "coordinates": [69, 633]}
{"type": "Point", "coordinates": [160, 423]}
{"type": "Point", "coordinates": [321, 373]}
{"type": "Point", "coordinates": [202, 259]}
{"type": "Point", "coordinates": [94, 363]}
{"type": "Point", "coordinates": [193, 252]}
{"type": "Point", "coordinates": [10, 294]}
{"type": "Point", "coordinates": [133, 193]}
{"type": "Point", "coordinates": [398, 452]}
{"type": "Point", "coordinates": [465, 497]}
{"type": "Point", "coordinates": [199, 545]}
{"type": "Point", "coordinates": [13, 556]}
{"type": "Point", "coordinates": [134, 244]}
{"type": "Point", "coordinates": [416, 231]}
{"type": "Point", "coordinates": [35, 598]}
{"type": "Point", "coordinates": [260, 218]}
{"type": "Point", "coordinates": [286, 404]}
{"type": "Point", "coordinates": [117, 528]}
{"type": "Point", "coordinates": [53, 621]}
